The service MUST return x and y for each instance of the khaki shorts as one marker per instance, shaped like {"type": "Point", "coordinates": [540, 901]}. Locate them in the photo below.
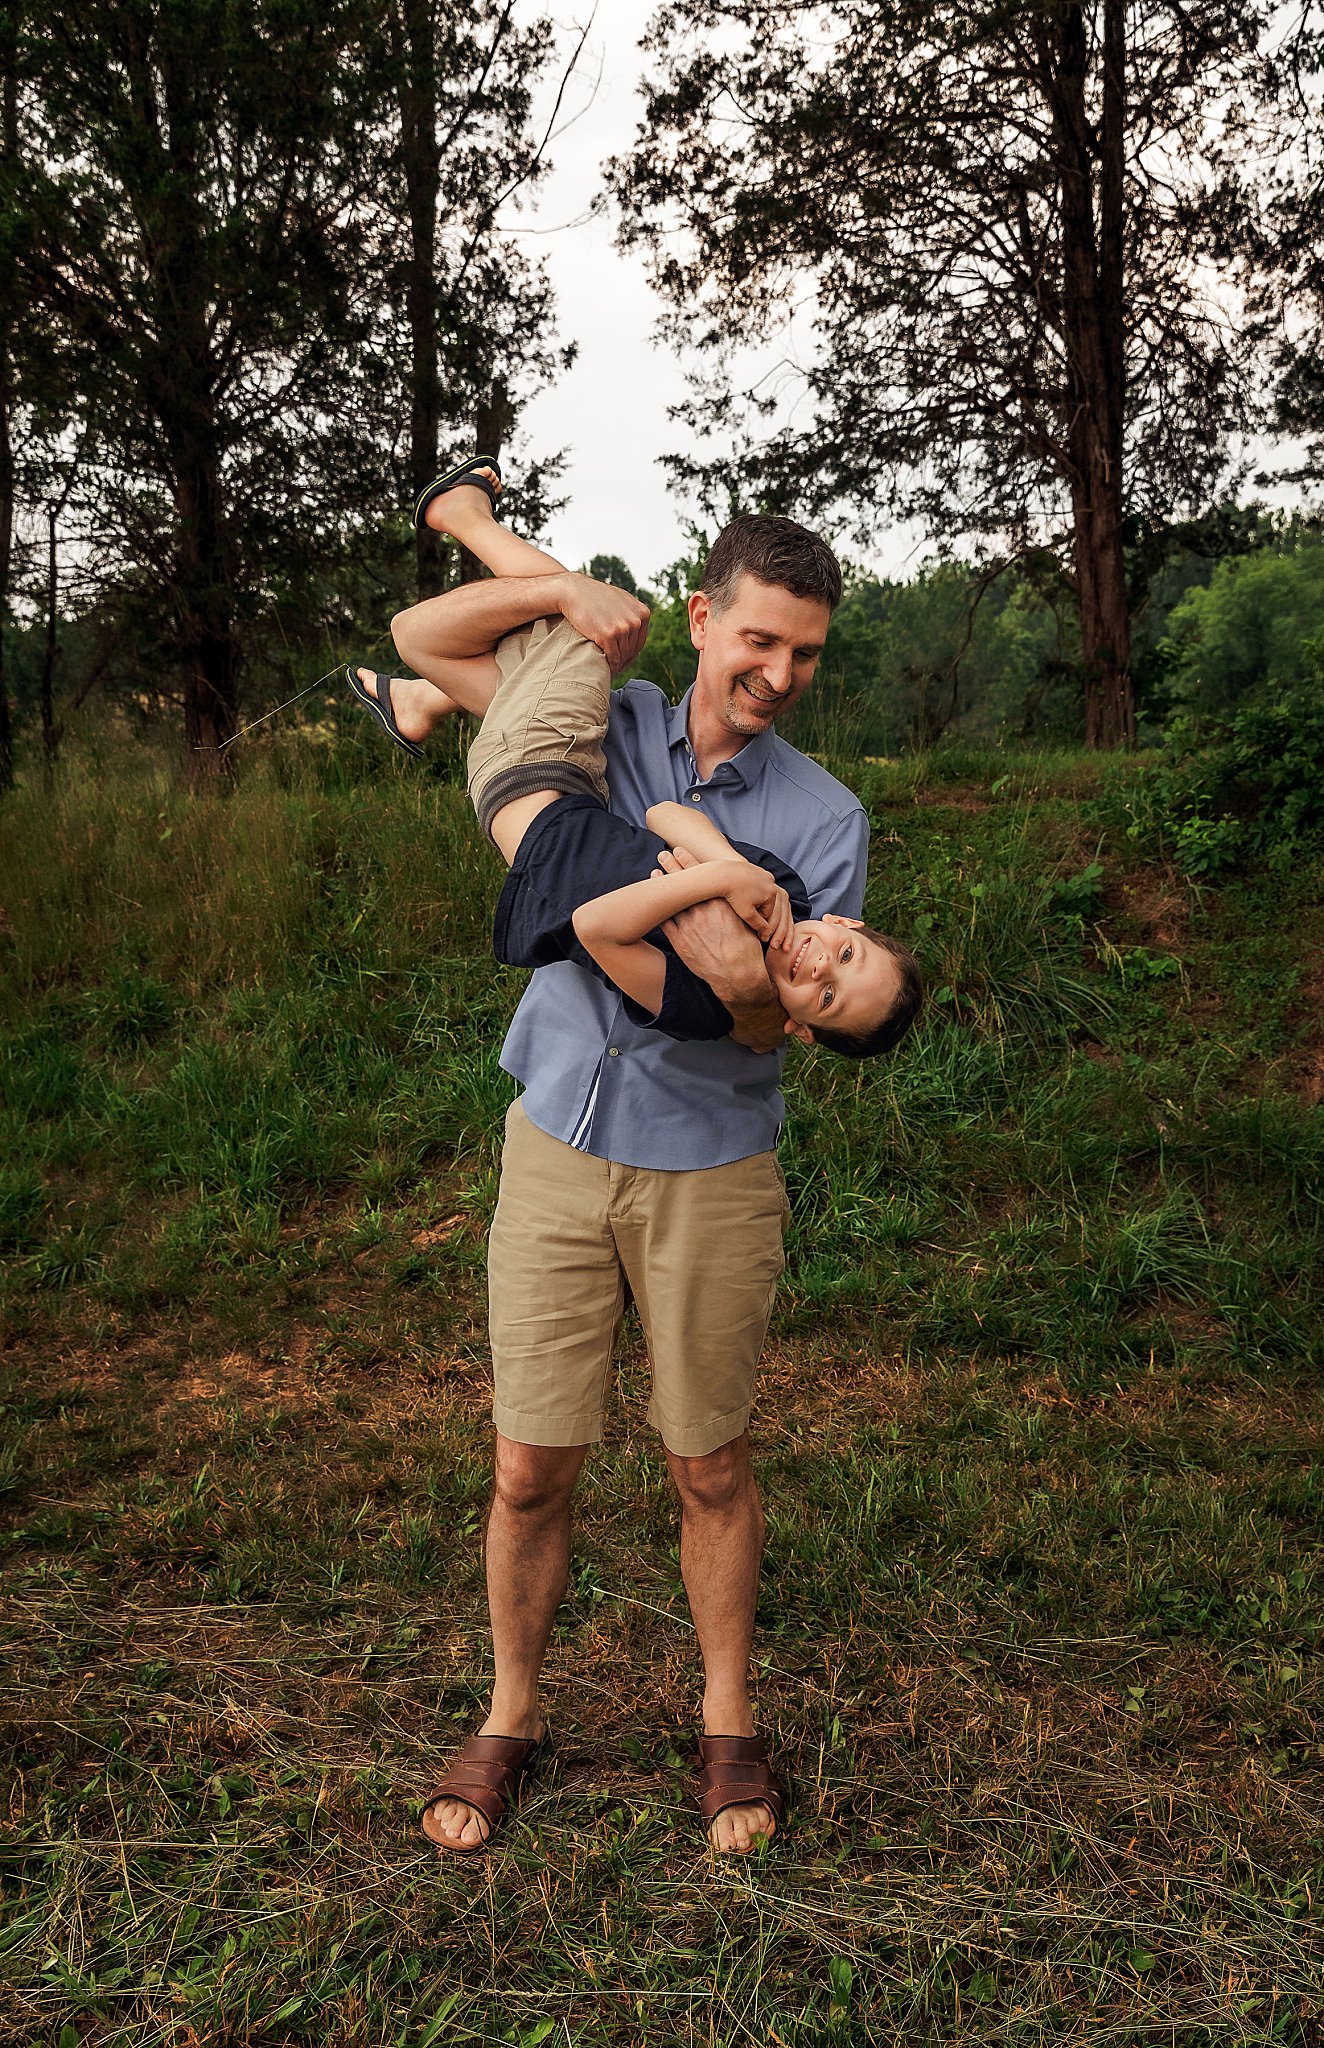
{"type": "Point", "coordinates": [700, 1251]}
{"type": "Point", "coordinates": [545, 726]}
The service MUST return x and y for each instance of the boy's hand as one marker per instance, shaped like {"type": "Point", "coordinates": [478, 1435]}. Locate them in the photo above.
{"type": "Point", "coordinates": [765, 908]}
{"type": "Point", "coordinates": [610, 618]}
{"type": "Point", "coordinates": [671, 862]}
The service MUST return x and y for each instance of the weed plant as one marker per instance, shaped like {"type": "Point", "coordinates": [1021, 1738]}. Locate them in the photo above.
{"type": "Point", "coordinates": [1039, 1434]}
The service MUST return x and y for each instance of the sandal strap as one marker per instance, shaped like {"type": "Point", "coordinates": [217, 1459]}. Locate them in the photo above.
{"type": "Point", "coordinates": [736, 1772]}
{"type": "Point", "coordinates": [486, 1774]}
{"type": "Point", "coordinates": [461, 473]}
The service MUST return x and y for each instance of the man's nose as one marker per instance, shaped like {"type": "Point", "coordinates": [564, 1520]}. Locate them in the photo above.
{"type": "Point", "coordinates": [778, 674]}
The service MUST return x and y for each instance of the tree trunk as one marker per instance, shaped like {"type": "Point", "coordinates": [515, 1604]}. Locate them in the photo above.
{"type": "Point", "coordinates": [6, 551]}
{"type": "Point", "coordinates": [421, 162]}
{"type": "Point", "coordinates": [493, 421]}
{"type": "Point", "coordinates": [207, 640]}
{"type": "Point", "coordinates": [1093, 285]}
{"type": "Point", "coordinates": [184, 399]}
{"type": "Point", "coordinates": [50, 739]}
{"type": "Point", "coordinates": [8, 299]}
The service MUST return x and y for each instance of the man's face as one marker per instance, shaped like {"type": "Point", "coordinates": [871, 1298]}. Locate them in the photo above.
{"type": "Point", "coordinates": [757, 657]}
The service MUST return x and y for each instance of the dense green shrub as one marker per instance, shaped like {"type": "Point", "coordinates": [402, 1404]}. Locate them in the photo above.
{"type": "Point", "coordinates": [1247, 791]}
{"type": "Point", "coordinates": [1249, 629]}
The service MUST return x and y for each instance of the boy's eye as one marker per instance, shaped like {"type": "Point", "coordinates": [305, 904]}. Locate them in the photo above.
{"type": "Point", "coordinates": [846, 952]}
{"type": "Point", "coordinates": [827, 998]}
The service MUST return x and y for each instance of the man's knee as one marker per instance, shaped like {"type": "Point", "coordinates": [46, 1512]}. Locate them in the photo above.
{"type": "Point", "coordinates": [533, 1479]}
{"type": "Point", "coordinates": [716, 1480]}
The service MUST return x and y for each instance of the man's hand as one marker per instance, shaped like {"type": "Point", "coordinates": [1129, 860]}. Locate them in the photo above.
{"type": "Point", "coordinates": [610, 618]}
{"type": "Point", "coordinates": [723, 951]}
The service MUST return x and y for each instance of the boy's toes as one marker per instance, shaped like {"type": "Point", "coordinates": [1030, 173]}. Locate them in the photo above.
{"type": "Point", "coordinates": [368, 678]}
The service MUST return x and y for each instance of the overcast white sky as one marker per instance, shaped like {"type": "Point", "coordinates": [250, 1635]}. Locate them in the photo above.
{"type": "Point", "coordinates": [610, 411]}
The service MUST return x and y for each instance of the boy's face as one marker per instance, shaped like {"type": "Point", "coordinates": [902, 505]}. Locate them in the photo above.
{"type": "Point", "coordinates": [757, 657]}
{"type": "Point", "coordinates": [832, 975]}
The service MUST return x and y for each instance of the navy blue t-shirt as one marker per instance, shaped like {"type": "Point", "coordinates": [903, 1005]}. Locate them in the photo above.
{"type": "Point", "coordinates": [576, 850]}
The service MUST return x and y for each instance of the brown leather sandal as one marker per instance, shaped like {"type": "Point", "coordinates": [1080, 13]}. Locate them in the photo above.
{"type": "Point", "coordinates": [487, 1776]}
{"type": "Point", "coordinates": [736, 1772]}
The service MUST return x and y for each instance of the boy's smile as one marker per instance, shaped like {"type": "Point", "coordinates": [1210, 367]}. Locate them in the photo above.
{"type": "Point", "coordinates": [832, 976]}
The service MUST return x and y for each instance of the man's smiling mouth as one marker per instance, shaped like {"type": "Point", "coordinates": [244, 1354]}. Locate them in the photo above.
{"type": "Point", "coordinates": [767, 699]}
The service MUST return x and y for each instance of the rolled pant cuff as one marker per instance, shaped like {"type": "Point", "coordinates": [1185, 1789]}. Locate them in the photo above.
{"type": "Point", "coordinates": [526, 778]}
{"type": "Point", "coordinates": [703, 1438]}
{"type": "Point", "coordinates": [551, 1432]}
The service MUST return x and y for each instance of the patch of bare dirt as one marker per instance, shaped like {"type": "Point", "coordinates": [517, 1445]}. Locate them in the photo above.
{"type": "Point", "coordinates": [954, 799]}
{"type": "Point", "coordinates": [1305, 1064]}
{"type": "Point", "coordinates": [1159, 904]}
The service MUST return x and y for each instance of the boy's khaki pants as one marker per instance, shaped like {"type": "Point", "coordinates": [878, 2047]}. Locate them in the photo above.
{"type": "Point", "coordinates": [545, 727]}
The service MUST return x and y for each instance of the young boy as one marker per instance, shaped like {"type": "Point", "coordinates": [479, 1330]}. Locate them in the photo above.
{"type": "Point", "coordinates": [588, 886]}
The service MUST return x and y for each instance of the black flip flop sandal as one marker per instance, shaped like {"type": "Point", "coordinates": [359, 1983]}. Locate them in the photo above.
{"type": "Point", "coordinates": [381, 708]}
{"type": "Point", "coordinates": [454, 476]}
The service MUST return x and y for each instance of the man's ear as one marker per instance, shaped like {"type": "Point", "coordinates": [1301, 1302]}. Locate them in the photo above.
{"type": "Point", "coordinates": [800, 1031]}
{"type": "Point", "coordinates": [698, 608]}
{"type": "Point", "coordinates": [854, 924]}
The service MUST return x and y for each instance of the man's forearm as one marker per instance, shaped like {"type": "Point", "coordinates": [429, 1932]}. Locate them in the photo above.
{"type": "Point", "coordinates": [722, 951]}
{"type": "Point", "coordinates": [473, 617]}
{"type": "Point", "coordinates": [471, 620]}
{"type": "Point", "coordinates": [758, 1021]}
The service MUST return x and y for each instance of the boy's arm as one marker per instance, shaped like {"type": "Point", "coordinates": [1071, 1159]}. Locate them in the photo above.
{"type": "Point", "coordinates": [682, 825]}
{"type": "Point", "coordinates": [712, 944]}
{"type": "Point", "coordinates": [613, 927]}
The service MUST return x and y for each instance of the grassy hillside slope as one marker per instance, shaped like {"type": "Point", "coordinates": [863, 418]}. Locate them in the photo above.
{"type": "Point", "coordinates": [1039, 1437]}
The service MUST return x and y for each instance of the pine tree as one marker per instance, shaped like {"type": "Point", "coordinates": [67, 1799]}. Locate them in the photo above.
{"type": "Point", "coordinates": [1004, 217]}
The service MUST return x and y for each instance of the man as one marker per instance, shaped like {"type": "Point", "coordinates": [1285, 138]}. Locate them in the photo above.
{"type": "Point", "coordinates": [635, 1160]}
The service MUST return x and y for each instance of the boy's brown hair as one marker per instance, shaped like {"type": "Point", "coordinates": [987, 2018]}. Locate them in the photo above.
{"type": "Point", "coordinates": [893, 1027]}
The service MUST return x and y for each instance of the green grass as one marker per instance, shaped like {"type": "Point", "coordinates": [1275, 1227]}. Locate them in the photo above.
{"type": "Point", "coordinates": [1040, 1432]}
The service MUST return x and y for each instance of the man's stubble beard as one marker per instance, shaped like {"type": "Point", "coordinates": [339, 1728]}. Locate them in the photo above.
{"type": "Point", "coordinates": [746, 722]}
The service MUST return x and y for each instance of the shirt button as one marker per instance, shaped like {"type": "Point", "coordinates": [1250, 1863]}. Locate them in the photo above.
{"type": "Point", "coordinates": [695, 797]}
{"type": "Point", "coordinates": [615, 1051]}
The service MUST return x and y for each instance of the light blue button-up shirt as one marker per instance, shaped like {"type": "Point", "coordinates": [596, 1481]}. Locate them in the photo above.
{"type": "Point", "coordinates": [633, 1095]}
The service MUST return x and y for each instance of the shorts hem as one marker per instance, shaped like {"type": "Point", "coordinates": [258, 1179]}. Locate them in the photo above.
{"type": "Point", "coordinates": [703, 1437]}
{"type": "Point", "coordinates": [554, 1432]}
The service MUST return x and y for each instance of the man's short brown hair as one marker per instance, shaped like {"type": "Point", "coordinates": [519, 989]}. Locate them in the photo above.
{"type": "Point", "coordinates": [775, 550]}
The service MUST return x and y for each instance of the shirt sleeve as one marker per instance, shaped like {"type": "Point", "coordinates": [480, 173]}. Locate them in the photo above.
{"type": "Point", "coordinates": [689, 1008]}
{"type": "Point", "coordinates": [835, 875]}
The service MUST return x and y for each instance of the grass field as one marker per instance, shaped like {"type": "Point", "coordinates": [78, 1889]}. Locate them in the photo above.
{"type": "Point", "coordinates": [1039, 1437]}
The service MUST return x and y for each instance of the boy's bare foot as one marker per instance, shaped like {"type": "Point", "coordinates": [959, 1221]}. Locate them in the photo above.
{"type": "Point", "coordinates": [456, 510]}
{"type": "Point", "coordinates": [418, 705]}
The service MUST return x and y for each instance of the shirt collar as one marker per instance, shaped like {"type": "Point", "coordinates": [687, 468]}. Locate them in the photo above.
{"type": "Point", "coordinates": [743, 768]}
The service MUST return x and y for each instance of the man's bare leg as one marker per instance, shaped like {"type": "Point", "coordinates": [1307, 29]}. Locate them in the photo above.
{"type": "Point", "coordinates": [528, 1562]}
{"type": "Point", "coordinates": [721, 1547]}
{"type": "Point", "coordinates": [422, 632]}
